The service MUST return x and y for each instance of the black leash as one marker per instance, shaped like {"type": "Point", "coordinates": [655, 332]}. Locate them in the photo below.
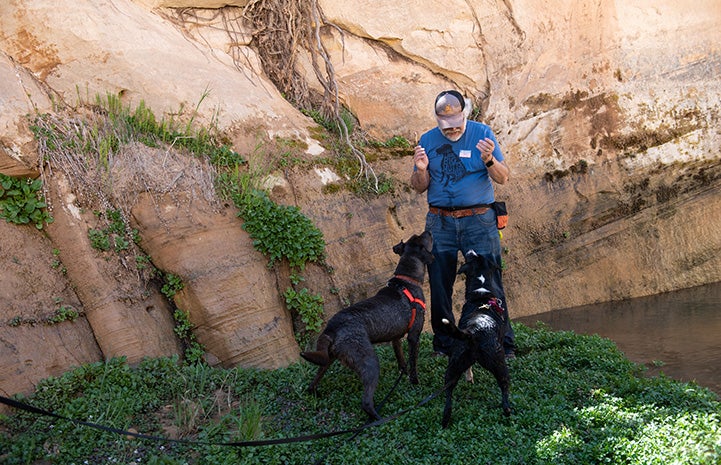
{"type": "Point", "coordinates": [262, 442]}
{"type": "Point", "coordinates": [380, 406]}
{"type": "Point", "coordinates": [385, 399]}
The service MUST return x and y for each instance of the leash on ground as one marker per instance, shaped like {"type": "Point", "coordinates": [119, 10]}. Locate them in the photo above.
{"type": "Point", "coordinates": [390, 417]}
{"type": "Point", "coordinates": [380, 406]}
{"type": "Point", "coordinates": [260, 442]}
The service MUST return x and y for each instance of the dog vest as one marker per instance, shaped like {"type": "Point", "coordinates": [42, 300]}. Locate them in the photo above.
{"type": "Point", "coordinates": [413, 307]}
{"type": "Point", "coordinates": [411, 299]}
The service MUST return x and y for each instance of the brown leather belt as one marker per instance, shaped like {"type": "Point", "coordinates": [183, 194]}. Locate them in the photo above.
{"type": "Point", "coordinates": [461, 213]}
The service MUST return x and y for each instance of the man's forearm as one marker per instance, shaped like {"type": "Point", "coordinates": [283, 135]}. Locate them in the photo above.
{"type": "Point", "coordinates": [499, 172]}
{"type": "Point", "coordinates": [420, 180]}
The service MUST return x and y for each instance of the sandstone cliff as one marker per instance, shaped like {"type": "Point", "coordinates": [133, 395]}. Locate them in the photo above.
{"type": "Point", "coordinates": [608, 113]}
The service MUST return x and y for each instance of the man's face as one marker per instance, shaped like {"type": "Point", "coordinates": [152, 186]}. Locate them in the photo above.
{"type": "Point", "coordinates": [454, 134]}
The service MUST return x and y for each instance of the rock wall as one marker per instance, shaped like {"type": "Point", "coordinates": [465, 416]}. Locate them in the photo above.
{"type": "Point", "coordinates": [608, 113]}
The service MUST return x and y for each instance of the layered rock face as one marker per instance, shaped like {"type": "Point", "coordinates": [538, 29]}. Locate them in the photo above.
{"type": "Point", "coordinates": [607, 112]}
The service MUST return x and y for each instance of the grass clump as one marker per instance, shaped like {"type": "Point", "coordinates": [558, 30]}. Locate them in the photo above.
{"type": "Point", "coordinates": [576, 400]}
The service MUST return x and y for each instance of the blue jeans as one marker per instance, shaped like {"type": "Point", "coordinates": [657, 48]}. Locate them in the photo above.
{"type": "Point", "coordinates": [451, 235]}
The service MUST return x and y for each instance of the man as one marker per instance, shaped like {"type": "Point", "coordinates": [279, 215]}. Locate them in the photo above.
{"type": "Point", "coordinates": [455, 163]}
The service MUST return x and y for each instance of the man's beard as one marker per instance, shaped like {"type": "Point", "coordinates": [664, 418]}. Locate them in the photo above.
{"type": "Point", "coordinates": [453, 136]}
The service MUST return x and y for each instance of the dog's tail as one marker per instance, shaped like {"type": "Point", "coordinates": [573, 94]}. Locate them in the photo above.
{"type": "Point", "coordinates": [321, 354]}
{"type": "Point", "coordinates": [455, 332]}
{"type": "Point", "coordinates": [318, 357]}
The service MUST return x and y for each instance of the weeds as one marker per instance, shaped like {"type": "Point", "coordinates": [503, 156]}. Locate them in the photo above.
{"type": "Point", "coordinates": [64, 313]}
{"type": "Point", "coordinates": [21, 201]}
{"type": "Point", "coordinates": [280, 231]}
{"type": "Point", "coordinates": [309, 307]}
{"type": "Point", "coordinates": [61, 314]}
{"type": "Point", "coordinates": [194, 350]}
{"type": "Point", "coordinates": [576, 400]}
{"type": "Point", "coordinates": [115, 236]}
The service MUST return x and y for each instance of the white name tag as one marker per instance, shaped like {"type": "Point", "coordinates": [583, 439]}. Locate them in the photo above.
{"type": "Point", "coordinates": [465, 154]}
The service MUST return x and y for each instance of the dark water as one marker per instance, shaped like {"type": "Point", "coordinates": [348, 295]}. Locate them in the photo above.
{"type": "Point", "coordinates": [682, 329]}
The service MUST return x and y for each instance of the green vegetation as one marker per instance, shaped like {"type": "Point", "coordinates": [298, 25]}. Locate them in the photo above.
{"type": "Point", "coordinates": [173, 284]}
{"type": "Point", "coordinates": [576, 400]}
{"type": "Point", "coordinates": [61, 314]}
{"type": "Point", "coordinates": [56, 264]}
{"type": "Point", "coordinates": [280, 231]}
{"type": "Point", "coordinates": [84, 148]}
{"type": "Point", "coordinates": [64, 313]}
{"type": "Point", "coordinates": [334, 124]}
{"type": "Point", "coordinates": [22, 202]}
{"type": "Point", "coordinates": [309, 307]}
{"type": "Point", "coordinates": [115, 236]}
{"type": "Point", "coordinates": [194, 350]}
{"type": "Point", "coordinates": [398, 142]}
{"type": "Point", "coordinates": [128, 124]}
{"type": "Point", "coordinates": [283, 232]}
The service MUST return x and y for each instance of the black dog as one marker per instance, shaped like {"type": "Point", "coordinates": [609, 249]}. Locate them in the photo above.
{"type": "Point", "coordinates": [479, 334]}
{"type": "Point", "coordinates": [395, 310]}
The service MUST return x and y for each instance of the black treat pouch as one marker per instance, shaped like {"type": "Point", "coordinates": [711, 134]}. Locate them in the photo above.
{"type": "Point", "coordinates": [501, 214]}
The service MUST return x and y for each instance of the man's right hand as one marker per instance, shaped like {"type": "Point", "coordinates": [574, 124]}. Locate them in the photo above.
{"type": "Point", "coordinates": [420, 159]}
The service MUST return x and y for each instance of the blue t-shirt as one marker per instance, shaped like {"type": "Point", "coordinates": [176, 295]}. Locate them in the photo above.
{"type": "Point", "coordinates": [459, 178]}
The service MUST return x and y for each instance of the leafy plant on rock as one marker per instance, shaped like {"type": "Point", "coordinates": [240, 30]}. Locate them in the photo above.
{"type": "Point", "coordinates": [21, 201]}
{"type": "Point", "coordinates": [309, 308]}
{"type": "Point", "coordinates": [280, 231]}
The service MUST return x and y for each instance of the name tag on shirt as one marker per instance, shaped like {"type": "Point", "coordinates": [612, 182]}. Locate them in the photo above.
{"type": "Point", "coordinates": [465, 154]}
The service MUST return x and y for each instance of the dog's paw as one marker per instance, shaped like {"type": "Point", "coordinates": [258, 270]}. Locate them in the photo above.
{"type": "Point", "coordinates": [445, 321]}
{"type": "Point", "coordinates": [469, 375]}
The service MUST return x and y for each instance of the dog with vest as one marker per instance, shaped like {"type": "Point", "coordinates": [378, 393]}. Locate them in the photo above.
{"type": "Point", "coordinates": [396, 310]}
{"type": "Point", "coordinates": [478, 338]}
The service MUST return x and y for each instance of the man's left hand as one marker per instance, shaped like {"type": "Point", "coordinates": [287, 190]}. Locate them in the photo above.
{"type": "Point", "coordinates": [486, 147]}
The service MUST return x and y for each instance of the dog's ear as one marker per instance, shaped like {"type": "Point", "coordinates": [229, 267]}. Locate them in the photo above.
{"type": "Point", "coordinates": [464, 268]}
{"type": "Point", "coordinates": [427, 256]}
{"type": "Point", "coordinates": [399, 248]}
{"type": "Point", "coordinates": [489, 263]}
{"type": "Point", "coordinates": [427, 240]}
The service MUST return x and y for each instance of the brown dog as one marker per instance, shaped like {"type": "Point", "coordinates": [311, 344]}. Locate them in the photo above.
{"type": "Point", "coordinates": [396, 310]}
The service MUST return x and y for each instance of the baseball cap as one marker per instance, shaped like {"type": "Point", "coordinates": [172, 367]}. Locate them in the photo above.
{"type": "Point", "coordinates": [449, 109]}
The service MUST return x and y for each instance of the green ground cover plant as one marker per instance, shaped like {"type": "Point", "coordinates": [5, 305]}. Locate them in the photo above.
{"type": "Point", "coordinates": [576, 400]}
{"type": "Point", "coordinates": [22, 201]}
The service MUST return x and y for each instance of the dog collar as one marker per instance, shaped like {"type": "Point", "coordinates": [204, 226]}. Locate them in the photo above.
{"type": "Point", "coordinates": [495, 304]}
{"type": "Point", "coordinates": [403, 277]}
